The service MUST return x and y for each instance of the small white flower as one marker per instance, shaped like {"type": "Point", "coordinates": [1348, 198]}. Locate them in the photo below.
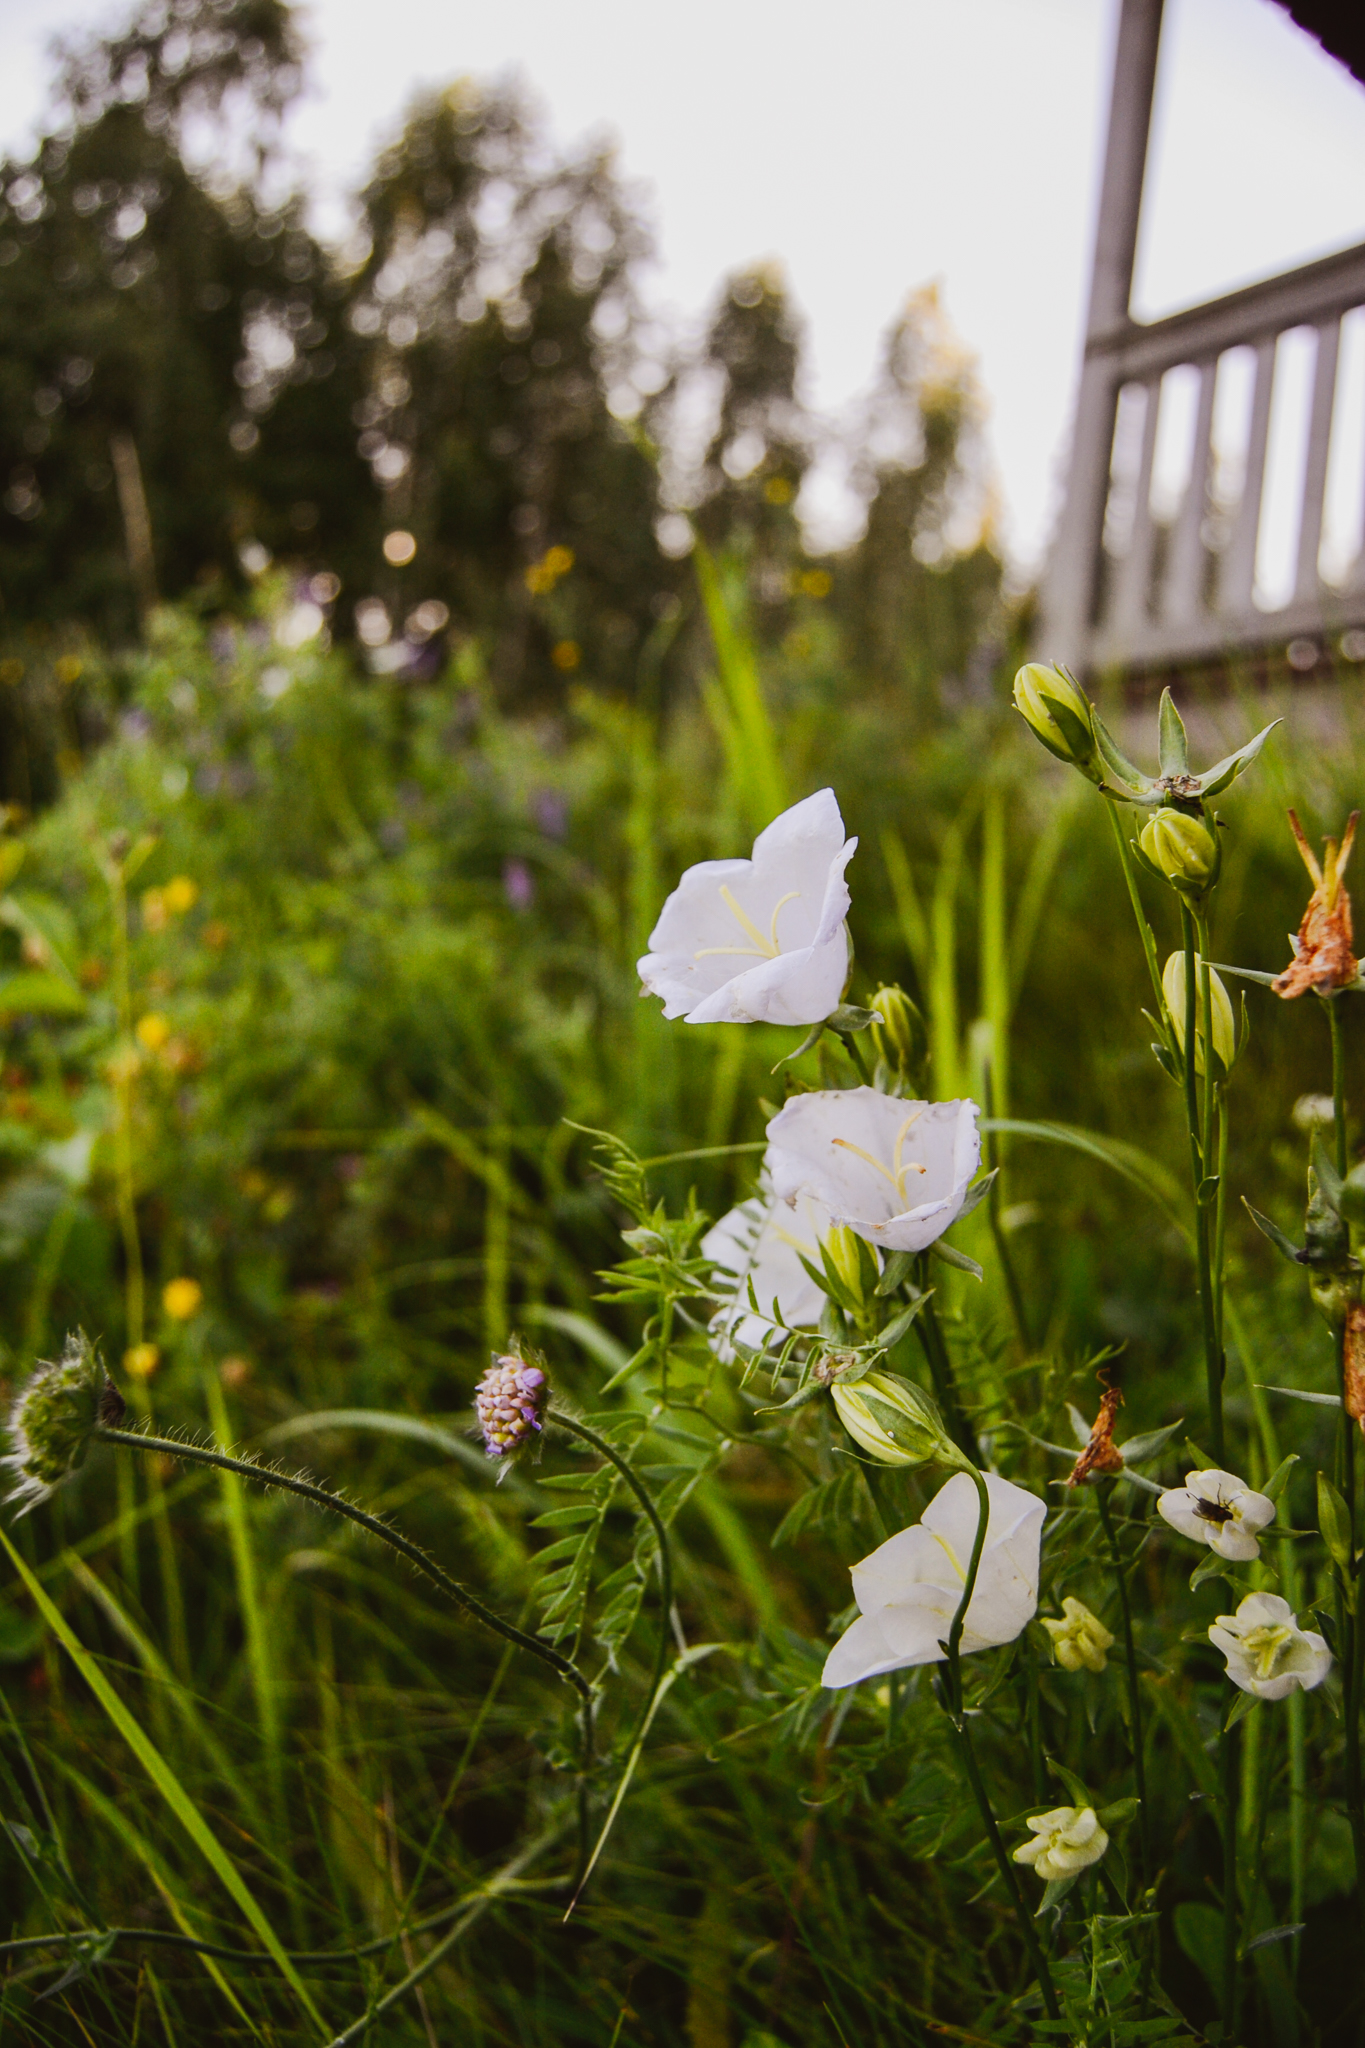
{"type": "Point", "coordinates": [1219, 1509]}
{"type": "Point", "coordinates": [759, 941]}
{"type": "Point", "coordinates": [908, 1590]}
{"type": "Point", "coordinates": [763, 1240]}
{"type": "Point", "coordinates": [1081, 1639]}
{"type": "Point", "coordinates": [1267, 1652]}
{"type": "Point", "coordinates": [897, 1172]}
{"type": "Point", "coordinates": [1065, 1841]}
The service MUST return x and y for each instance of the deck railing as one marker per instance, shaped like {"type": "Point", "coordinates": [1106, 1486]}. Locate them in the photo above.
{"type": "Point", "coordinates": [1142, 576]}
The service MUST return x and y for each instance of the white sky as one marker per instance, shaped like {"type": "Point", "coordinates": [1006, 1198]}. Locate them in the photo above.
{"type": "Point", "coordinates": [870, 148]}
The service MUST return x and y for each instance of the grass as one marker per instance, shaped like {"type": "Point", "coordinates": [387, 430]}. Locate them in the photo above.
{"type": "Point", "coordinates": [288, 1791]}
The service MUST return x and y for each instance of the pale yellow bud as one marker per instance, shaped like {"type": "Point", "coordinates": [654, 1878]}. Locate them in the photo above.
{"type": "Point", "coordinates": [893, 1420]}
{"type": "Point", "coordinates": [1080, 1639]}
{"type": "Point", "coordinates": [845, 1255]}
{"type": "Point", "coordinates": [1059, 715]}
{"type": "Point", "coordinates": [1173, 987]}
{"type": "Point", "coordinates": [1183, 849]}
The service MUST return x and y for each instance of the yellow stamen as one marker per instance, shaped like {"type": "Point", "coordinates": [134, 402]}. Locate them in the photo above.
{"type": "Point", "coordinates": [896, 1176]}
{"type": "Point", "coordinates": [761, 949]}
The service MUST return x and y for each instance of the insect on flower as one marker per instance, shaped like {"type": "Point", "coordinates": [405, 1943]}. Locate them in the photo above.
{"type": "Point", "coordinates": [1219, 1509]}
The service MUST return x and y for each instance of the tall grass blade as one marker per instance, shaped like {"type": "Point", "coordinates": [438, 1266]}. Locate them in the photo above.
{"type": "Point", "coordinates": [763, 789]}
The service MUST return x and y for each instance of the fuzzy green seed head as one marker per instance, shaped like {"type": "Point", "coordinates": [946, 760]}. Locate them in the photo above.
{"type": "Point", "coordinates": [53, 1418]}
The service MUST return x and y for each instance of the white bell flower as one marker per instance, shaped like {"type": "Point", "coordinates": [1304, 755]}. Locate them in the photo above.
{"type": "Point", "coordinates": [1267, 1652]}
{"type": "Point", "coordinates": [1065, 1842]}
{"type": "Point", "coordinates": [908, 1590]}
{"type": "Point", "coordinates": [897, 1172]}
{"type": "Point", "coordinates": [759, 941]}
{"type": "Point", "coordinates": [763, 1241]}
{"type": "Point", "coordinates": [1219, 1509]}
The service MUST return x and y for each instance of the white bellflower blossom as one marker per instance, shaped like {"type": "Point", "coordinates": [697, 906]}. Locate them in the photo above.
{"type": "Point", "coordinates": [1267, 1653]}
{"type": "Point", "coordinates": [896, 1172]}
{"type": "Point", "coordinates": [1219, 1509]}
{"type": "Point", "coordinates": [763, 1240]}
{"type": "Point", "coordinates": [908, 1590]}
{"type": "Point", "coordinates": [759, 941]}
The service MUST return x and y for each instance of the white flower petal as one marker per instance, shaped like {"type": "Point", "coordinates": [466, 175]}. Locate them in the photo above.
{"type": "Point", "coordinates": [896, 1172]}
{"type": "Point", "coordinates": [763, 1240]}
{"type": "Point", "coordinates": [709, 954]}
{"type": "Point", "coordinates": [862, 1651]}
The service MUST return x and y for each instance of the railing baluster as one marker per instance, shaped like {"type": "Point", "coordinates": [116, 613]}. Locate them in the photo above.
{"type": "Point", "coordinates": [1185, 573]}
{"type": "Point", "coordinates": [1135, 570]}
{"type": "Point", "coordinates": [1306, 581]}
{"type": "Point", "coordinates": [1239, 561]}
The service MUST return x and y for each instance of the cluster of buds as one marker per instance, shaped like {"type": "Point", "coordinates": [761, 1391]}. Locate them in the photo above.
{"type": "Point", "coordinates": [53, 1418]}
{"type": "Point", "coordinates": [510, 1401]}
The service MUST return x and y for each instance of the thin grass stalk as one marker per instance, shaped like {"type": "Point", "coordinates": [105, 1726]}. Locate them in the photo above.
{"type": "Point", "coordinates": [1131, 1671]}
{"type": "Point", "coordinates": [1348, 1617]}
{"type": "Point", "coordinates": [1135, 898]}
{"type": "Point", "coordinates": [994, 1149]}
{"type": "Point", "coordinates": [1213, 1362]}
{"type": "Point", "coordinates": [954, 1707]}
{"type": "Point", "coordinates": [1228, 1742]}
{"type": "Point", "coordinates": [941, 1373]}
{"type": "Point", "coordinates": [260, 1660]}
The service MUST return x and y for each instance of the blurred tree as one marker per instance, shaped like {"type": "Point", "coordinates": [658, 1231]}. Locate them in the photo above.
{"type": "Point", "coordinates": [916, 594]}
{"type": "Point", "coordinates": [498, 296]}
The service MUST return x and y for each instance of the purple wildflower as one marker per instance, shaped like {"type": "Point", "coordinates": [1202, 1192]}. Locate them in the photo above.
{"type": "Point", "coordinates": [509, 1401]}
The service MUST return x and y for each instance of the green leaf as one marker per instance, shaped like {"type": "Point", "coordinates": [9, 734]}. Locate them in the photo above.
{"type": "Point", "coordinates": [1150, 1443]}
{"type": "Point", "coordinates": [1173, 751]}
{"type": "Point", "coordinates": [1279, 1478]}
{"type": "Point", "coordinates": [811, 1039]}
{"type": "Point", "coordinates": [1232, 765]}
{"type": "Point", "coordinates": [951, 1256]}
{"type": "Point", "coordinates": [46, 995]}
{"type": "Point", "coordinates": [1080, 1428]}
{"type": "Point", "coordinates": [1271, 1934]}
{"type": "Point", "coordinates": [848, 1018]}
{"type": "Point", "coordinates": [899, 1268]}
{"type": "Point", "coordinates": [1244, 973]}
{"type": "Point", "coordinates": [1055, 1891]}
{"type": "Point", "coordinates": [1274, 1233]}
{"type": "Point", "coordinates": [1240, 1708]}
{"type": "Point", "coordinates": [1303, 1394]}
{"type": "Point", "coordinates": [1121, 1810]}
{"type": "Point", "coordinates": [977, 1193]}
{"type": "Point", "coordinates": [1334, 1522]}
{"type": "Point", "coordinates": [1212, 1567]}
{"type": "Point", "coordinates": [166, 1783]}
{"type": "Point", "coordinates": [1206, 1194]}
{"type": "Point", "coordinates": [897, 1327]}
{"type": "Point", "coordinates": [1154, 1179]}
{"type": "Point", "coordinates": [1075, 1786]}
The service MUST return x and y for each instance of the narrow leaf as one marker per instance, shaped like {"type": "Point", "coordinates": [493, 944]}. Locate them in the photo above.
{"type": "Point", "coordinates": [951, 1256]}
{"type": "Point", "coordinates": [1173, 750]}
{"type": "Point", "coordinates": [1303, 1394]}
{"type": "Point", "coordinates": [1274, 1233]}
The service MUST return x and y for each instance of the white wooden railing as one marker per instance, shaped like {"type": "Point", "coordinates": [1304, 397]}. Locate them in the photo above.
{"type": "Point", "coordinates": [1143, 575]}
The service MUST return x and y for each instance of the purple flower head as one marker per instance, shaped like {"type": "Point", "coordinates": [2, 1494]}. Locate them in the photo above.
{"type": "Point", "coordinates": [518, 884]}
{"type": "Point", "coordinates": [509, 1402]}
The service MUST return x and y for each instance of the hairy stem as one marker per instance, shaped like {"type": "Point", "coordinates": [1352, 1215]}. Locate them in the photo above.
{"type": "Point", "coordinates": [247, 1468]}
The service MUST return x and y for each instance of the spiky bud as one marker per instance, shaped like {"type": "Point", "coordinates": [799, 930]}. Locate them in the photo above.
{"type": "Point", "coordinates": [53, 1418]}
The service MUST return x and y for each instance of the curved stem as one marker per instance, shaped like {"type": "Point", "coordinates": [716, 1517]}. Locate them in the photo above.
{"type": "Point", "coordinates": [306, 1489]}
{"type": "Point", "coordinates": [953, 1650]}
{"type": "Point", "coordinates": [641, 1492]}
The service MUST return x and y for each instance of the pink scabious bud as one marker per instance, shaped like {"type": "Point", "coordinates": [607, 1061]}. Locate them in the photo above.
{"type": "Point", "coordinates": [509, 1402]}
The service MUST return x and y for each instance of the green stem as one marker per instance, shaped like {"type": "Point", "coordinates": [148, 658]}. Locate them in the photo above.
{"type": "Point", "coordinates": [1213, 1357]}
{"type": "Point", "coordinates": [1338, 1080]}
{"type": "Point", "coordinates": [248, 1468]}
{"type": "Point", "coordinates": [941, 1373]}
{"type": "Point", "coordinates": [1134, 1690]}
{"type": "Point", "coordinates": [954, 1708]}
{"type": "Point", "coordinates": [1206, 1027]}
{"type": "Point", "coordinates": [1231, 1789]}
{"type": "Point", "coordinates": [1144, 929]}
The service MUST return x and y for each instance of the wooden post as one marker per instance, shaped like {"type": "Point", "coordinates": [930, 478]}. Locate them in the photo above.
{"type": "Point", "coordinates": [137, 522]}
{"type": "Point", "coordinates": [1069, 583]}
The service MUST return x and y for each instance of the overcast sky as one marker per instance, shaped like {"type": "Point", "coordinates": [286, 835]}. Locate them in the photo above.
{"type": "Point", "coordinates": [869, 148]}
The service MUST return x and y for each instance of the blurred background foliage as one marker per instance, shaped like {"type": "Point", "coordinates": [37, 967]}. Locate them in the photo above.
{"type": "Point", "coordinates": [378, 840]}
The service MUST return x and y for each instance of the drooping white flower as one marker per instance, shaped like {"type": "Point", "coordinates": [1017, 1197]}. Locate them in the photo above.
{"type": "Point", "coordinates": [1267, 1652]}
{"type": "Point", "coordinates": [763, 1240]}
{"type": "Point", "coordinates": [1219, 1509]}
{"type": "Point", "coordinates": [759, 941]}
{"type": "Point", "coordinates": [1065, 1841]}
{"type": "Point", "coordinates": [908, 1590]}
{"type": "Point", "coordinates": [897, 1172]}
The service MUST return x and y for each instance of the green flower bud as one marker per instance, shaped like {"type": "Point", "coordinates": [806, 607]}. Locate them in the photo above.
{"type": "Point", "coordinates": [53, 1418]}
{"type": "Point", "coordinates": [844, 1247]}
{"type": "Point", "coordinates": [901, 1041]}
{"type": "Point", "coordinates": [1059, 714]}
{"type": "Point", "coordinates": [1173, 987]}
{"type": "Point", "coordinates": [1184, 850]}
{"type": "Point", "coordinates": [894, 1421]}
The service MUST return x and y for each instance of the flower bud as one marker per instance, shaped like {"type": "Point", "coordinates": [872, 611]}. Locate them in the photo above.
{"type": "Point", "coordinates": [1184, 850]}
{"type": "Point", "coordinates": [900, 1041]}
{"type": "Point", "coordinates": [53, 1418]}
{"type": "Point", "coordinates": [844, 1247]}
{"type": "Point", "coordinates": [1060, 716]}
{"type": "Point", "coordinates": [893, 1420]}
{"type": "Point", "coordinates": [1173, 987]}
{"type": "Point", "coordinates": [509, 1401]}
{"type": "Point", "coordinates": [1080, 1640]}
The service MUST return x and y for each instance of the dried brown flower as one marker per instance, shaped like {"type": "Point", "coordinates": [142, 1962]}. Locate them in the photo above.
{"type": "Point", "coordinates": [1353, 1373]}
{"type": "Point", "coordinates": [1101, 1454]}
{"type": "Point", "coordinates": [1324, 956]}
